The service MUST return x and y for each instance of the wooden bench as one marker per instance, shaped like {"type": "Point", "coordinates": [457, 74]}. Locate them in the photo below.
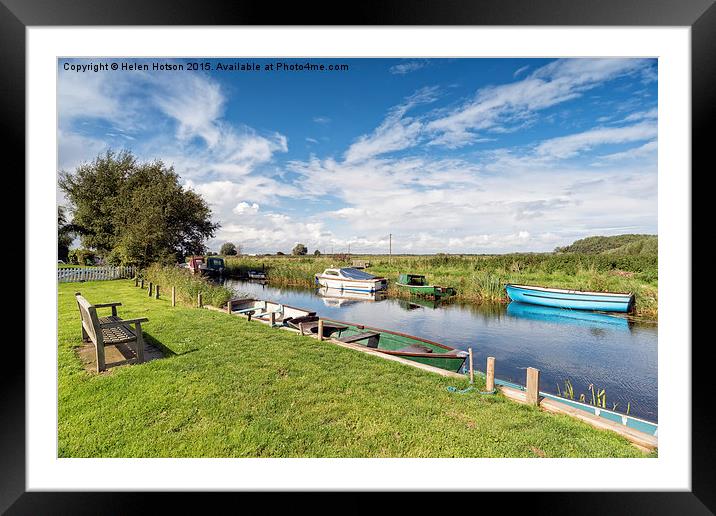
{"type": "Point", "coordinates": [109, 330]}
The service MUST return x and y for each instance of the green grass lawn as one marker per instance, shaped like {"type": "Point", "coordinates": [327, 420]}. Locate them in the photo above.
{"type": "Point", "coordinates": [231, 388]}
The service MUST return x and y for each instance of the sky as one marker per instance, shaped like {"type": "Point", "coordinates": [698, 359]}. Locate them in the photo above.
{"type": "Point", "coordinates": [446, 155]}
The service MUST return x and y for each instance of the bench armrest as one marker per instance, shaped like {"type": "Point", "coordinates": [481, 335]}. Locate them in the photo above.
{"type": "Point", "coordinates": [107, 305]}
{"type": "Point", "coordinates": [114, 324]}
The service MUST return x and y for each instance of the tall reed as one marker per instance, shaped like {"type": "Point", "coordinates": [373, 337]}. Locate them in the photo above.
{"type": "Point", "coordinates": [187, 285]}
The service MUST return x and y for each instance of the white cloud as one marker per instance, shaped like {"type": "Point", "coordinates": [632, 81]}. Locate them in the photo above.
{"type": "Point", "coordinates": [195, 102]}
{"type": "Point", "coordinates": [650, 114]}
{"type": "Point", "coordinates": [568, 146]}
{"type": "Point", "coordinates": [500, 107]}
{"type": "Point", "coordinates": [647, 150]}
{"type": "Point", "coordinates": [203, 145]}
{"type": "Point", "coordinates": [396, 132]}
{"type": "Point", "coordinates": [244, 208]}
{"type": "Point", "coordinates": [407, 67]}
{"type": "Point", "coordinates": [521, 70]}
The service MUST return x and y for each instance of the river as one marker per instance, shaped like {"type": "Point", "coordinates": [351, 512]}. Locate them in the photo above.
{"type": "Point", "coordinates": [608, 351]}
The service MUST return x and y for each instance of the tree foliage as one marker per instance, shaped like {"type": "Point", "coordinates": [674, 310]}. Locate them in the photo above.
{"type": "Point", "coordinates": [628, 244]}
{"type": "Point", "coordinates": [81, 257]}
{"type": "Point", "coordinates": [136, 213]}
{"type": "Point", "coordinates": [299, 250]}
{"type": "Point", "coordinates": [65, 235]}
{"type": "Point", "coordinates": [228, 249]}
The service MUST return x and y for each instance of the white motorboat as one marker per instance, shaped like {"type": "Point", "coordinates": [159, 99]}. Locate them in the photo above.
{"type": "Point", "coordinates": [350, 279]}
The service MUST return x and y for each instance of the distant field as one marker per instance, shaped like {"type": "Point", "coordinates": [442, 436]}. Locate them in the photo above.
{"type": "Point", "coordinates": [480, 278]}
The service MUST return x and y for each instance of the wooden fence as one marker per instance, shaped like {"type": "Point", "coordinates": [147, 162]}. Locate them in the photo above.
{"type": "Point", "coordinates": [72, 274]}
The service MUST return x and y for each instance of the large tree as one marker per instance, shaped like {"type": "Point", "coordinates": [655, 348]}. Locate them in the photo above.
{"type": "Point", "coordinates": [64, 234]}
{"type": "Point", "coordinates": [228, 249]}
{"type": "Point", "coordinates": [136, 213]}
{"type": "Point", "coordinates": [300, 249]}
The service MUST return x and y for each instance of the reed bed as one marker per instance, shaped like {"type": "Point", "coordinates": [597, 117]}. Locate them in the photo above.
{"type": "Point", "coordinates": [480, 278]}
{"type": "Point", "coordinates": [187, 285]}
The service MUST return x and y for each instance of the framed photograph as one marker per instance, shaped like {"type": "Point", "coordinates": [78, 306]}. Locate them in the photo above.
{"type": "Point", "coordinates": [442, 247]}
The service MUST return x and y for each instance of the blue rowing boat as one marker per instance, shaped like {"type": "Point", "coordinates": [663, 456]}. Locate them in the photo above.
{"type": "Point", "coordinates": [573, 299]}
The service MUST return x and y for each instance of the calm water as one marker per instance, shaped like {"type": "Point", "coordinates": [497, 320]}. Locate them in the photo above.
{"type": "Point", "coordinates": [583, 347]}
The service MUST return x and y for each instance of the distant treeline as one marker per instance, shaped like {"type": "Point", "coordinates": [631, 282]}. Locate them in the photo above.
{"type": "Point", "coordinates": [619, 244]}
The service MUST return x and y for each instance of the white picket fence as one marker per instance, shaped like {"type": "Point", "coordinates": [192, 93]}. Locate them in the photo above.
{"type": "Point", "coordinates": [74, 274]}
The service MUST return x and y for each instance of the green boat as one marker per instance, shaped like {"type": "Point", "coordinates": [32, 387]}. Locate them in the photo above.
{"type": "Point", "coordinates": [417, 284]}
{"type": "Point", "coordinates": [401, 345]}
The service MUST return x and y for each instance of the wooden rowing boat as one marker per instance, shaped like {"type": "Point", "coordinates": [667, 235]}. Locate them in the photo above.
{"type": "Point", "coordinates": [402, 345]}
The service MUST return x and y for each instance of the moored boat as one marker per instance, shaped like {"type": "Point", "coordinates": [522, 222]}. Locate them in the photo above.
{"type": "Point", "coordinates": [350, 279]}
{"type": "Point", "coordinates": [214, 266]}
{"type": "Point", "coordinates": [573, 299]}
{"type": "Point", "coordinates": [402, 345]}
{"type": "Point", "coordinates": [417, 284]}
{"type": "Point", "coordinates": [197, 265]}
{"type": "Point", "coordinates": [262, 310]}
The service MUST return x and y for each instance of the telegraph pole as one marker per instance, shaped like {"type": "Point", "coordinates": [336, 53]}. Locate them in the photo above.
{"type": "Point", "coordinates": [390, 248]}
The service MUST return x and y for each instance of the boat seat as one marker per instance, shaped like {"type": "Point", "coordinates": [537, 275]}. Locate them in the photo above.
{"type": "Point", "coordinates": [371, 336]}
{"type": "Point", "coordinates": [416, 348]}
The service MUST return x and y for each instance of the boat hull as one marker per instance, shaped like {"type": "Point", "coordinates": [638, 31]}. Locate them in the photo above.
{"type": "Point", "coordinates": [391, 343]}
{"type": "Point", "coordinates": [572, 299]}
{"type": "Point", "coordinates": [261, 310]}
{"type": "Point", "coordinates": [352, 285]}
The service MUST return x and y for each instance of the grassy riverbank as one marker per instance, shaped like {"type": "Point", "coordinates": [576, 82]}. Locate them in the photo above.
{"type": "Point", "coordinates": [230, 388]}
{"type": "Point", "coordinates": [482, 278]}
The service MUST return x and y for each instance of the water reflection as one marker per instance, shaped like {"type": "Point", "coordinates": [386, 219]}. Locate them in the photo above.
{"type": "Point", "coordinates": [418, 303]}
{"type": "Point", "coordinates": [336, 297]}
{"type": "Point", "coordinates": [594, 321]}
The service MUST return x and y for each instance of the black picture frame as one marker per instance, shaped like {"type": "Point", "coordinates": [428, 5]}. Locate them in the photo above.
{"type": "Point", "coordinates": [700, 15]}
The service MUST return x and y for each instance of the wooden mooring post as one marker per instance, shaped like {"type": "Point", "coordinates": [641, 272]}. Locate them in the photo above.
{"type": "Point", "coordinates": [320, 329]}
{"type": "Point", "coordinates": [150, 289]}
{"type": "Point", "coordinates": [199, 304]}
{"type": "Point", "coordinates": [136, 281]}
{"type": "Point", "coordinates": [174, 296]}
{"type": "Point", "coordinates": [300, 327]}
{"type": "Point", "coordinates": [472, 371]}
{"type": "Point", "coordinates": [142, 285]}
{"type": "Point", "coordinates": [156, 292]}
{"type": "Point", "coordinates": [490, 374]}
{"type": "Point", "coordinates": [273, 319]}
{"type": "Point", "coordinates": [229, 304]}
{"type": "Point", "coordinates": [532, 386]}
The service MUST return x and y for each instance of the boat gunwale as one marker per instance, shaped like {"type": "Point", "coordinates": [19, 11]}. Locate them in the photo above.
{"type": "Point", "coordinates": [399, 334]}
{"type": "Point", "coordinates": [417, 286]}
{"type": "Point", "coordinates": [274, 302]}
{"type": "Point", "coordinates": [568, 291]}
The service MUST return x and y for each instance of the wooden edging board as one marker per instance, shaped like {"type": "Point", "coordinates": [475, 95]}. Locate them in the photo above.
{"type": "Point", "coordinates": [641, 440]}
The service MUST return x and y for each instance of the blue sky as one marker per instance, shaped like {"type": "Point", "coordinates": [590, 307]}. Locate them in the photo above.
{"type": "Point", "coordinates": [448, 155]}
